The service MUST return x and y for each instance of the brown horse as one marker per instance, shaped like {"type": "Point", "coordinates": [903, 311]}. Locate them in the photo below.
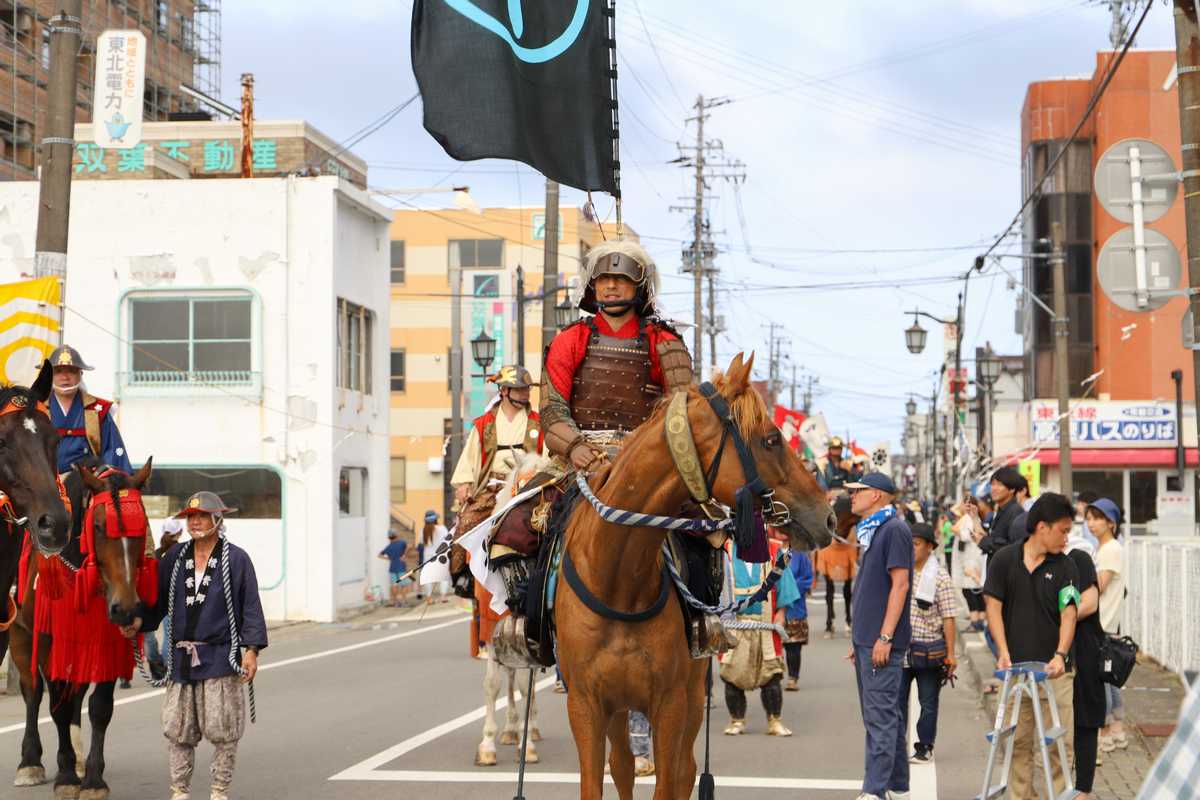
{"type": "Point", "coordinates": [613, 666]}
{"type": "Point", "coordinates": [28, 444]}
{"type": "Point", "coordinates": [117, 558]}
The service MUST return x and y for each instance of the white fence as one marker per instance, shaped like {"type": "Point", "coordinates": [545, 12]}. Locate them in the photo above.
{"type": "Point", "coordinates": [1162, 609]}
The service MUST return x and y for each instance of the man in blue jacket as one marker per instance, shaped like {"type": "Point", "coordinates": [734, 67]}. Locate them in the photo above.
{"type": "Point", "coordinates": [208, 656]}
{"type": "Point", "coordinates": [85, 424]}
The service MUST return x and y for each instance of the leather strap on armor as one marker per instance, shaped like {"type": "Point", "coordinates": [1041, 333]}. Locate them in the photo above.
{"type": "Point", "coordinates": [676, 364]}
{"type": "Point", "coordinates": [612, 388]}
{"type": "Point", "coordinates": [560, 437]}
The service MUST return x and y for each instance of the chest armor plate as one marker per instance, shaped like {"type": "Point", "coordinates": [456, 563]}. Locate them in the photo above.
{"type": "Point", "coordinates": [612, 388]}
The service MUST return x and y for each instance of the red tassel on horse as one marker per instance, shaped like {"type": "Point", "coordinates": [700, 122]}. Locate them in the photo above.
{"type": "Point", "coordinates": [87, 584]}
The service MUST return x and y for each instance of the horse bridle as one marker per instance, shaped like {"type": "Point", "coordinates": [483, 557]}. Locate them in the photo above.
{"type": "Point", "coordinates": [775, 512]}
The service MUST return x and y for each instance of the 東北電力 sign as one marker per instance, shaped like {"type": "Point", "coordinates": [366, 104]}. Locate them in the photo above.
{"type": "Point", "coordinates": [120, 82]}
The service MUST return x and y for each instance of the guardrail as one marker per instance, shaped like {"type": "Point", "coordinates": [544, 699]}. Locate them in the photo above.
{"type": "Point", "coordinates": [1162, 610]}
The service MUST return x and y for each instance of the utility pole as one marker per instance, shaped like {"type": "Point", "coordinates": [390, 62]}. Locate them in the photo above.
{"type": "Point", "coordinates": [774, 350]}
{"type": "Point", "coordinates": [1062, 380]}
{"type": "Point", "coordinates": [792, 402]}
{"type": "Point", "coordinates": [58, 148]}
{"type": "Point", "coordinates": [713, 325]}
{"type": "Point", "coordinates": [247, 125]}
{"type": "Point", "coordinates": [697, 239]}
{"type": "Point", "coordinates": [1187, 53]}
{"type": "Point", "coordinates": [705, 158]}
{"type": "Point", "coordinates": [550, 266]}
{"type": "Point", "coordinates": [520, 316]}
{"type": "Point", "coordinates": [455, 447]}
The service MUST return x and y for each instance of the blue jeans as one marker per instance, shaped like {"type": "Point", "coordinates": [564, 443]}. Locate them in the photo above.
{"type": "Point", "coordinates": [1114, 704]}
{"type": "Point", "coordinates": [885, 717]}
{"type": "Point", "coordinates": [929, 690]}
{"type": "Point", "coordinates": [153, 652]}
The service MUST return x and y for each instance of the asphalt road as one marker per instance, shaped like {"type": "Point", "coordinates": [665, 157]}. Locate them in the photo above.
{"type": "Point", "coordinates": [385, 708]}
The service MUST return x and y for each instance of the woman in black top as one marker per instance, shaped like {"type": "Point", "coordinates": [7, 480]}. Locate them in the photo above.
{"type": "Point", "coordinates": [1089, 689]}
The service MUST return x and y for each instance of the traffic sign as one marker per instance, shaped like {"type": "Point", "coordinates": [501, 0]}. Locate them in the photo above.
{"type": "Point", "coordinates": [1118, 270]}
{"type": "Point", "coordinates": [1133, 173]}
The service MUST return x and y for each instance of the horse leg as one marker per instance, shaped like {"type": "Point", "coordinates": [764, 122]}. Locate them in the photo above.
{"type": "Point", "coordinates": [100, 711]}
{"type": "Point", "coordinates": [62, 711]}
{"type": "Point", "coordinates": [685, 775]}
{"type": "Point", "coordinates": [620, 756]}
{"type": "Point", "coordinates": [77, 733]}
{"type": "Point", "coordinates": [30, 772]}
{"type": "Point", "coordinates": [588, 727]}
{"type": "Point", "coordinates": [485, 755]}
{"type": "Point", "coordinates": [535, 733]}
{"type": "Point", "coordinates": [668, 720]}
{"type": "Point", "coordinates": [511, 734]}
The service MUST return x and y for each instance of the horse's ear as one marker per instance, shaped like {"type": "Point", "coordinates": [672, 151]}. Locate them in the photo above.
{"type": "Point", "coordinates": [737, 377]}
{"type": "Point", "coordinates": [45, 382]}
{"type": "Point", "coordinates": [142, 475]}
{"type": "Point", "coordinates": [90, 480]}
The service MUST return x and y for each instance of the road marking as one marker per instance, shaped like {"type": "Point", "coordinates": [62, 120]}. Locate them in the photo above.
{"type": "Point", "coordinates": [922, 778]}
{"type": "Point", "coordinates": [733, 782]}
{"type": "Point", "coordinates": [369, 769]}
{"type": "Point", "coordinates": [274, 665]}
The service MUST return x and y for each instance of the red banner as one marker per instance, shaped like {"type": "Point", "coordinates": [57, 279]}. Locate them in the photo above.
{"type": "Point", "coordinates": [789, 421]}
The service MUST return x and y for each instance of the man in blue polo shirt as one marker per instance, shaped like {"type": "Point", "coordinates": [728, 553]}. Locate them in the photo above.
{"type": "Point", "coordinates": [881, 633]}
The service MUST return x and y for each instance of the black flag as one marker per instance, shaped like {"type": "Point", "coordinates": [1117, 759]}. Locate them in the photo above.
{"type": "Point", "coordinates": [529, 81]}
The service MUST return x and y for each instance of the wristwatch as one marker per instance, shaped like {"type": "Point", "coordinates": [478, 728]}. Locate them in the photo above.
{"type": "Point", "coordinates": [883, 637]}
{"type": "Point", "coordinates": [1061, 655]}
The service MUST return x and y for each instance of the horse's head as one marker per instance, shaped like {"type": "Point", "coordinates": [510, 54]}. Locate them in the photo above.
{"type": "Point", "coordinates": [846, 519]}
{"type": "Point", "coordinates": [811, 521]}
{"type": "Point", "coordinates": [115, 533]}
{"type": "Point", "coordinates": [29, 464]}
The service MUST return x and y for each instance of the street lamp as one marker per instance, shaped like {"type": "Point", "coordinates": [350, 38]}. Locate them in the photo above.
{"type": "Point", "coordinates": [989, 369]}
{"type": "Point", "coordinates": [910, 407]}
{"type": "Point", "coordinates": [565, 313]}
{"type": "Point", "coordinates": [915, 337]}
{"type": "Point", "coordinates": [483, 350]}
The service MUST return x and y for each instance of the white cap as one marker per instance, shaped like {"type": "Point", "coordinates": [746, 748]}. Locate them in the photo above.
{"type": "Point", "coordinates": [172, 526]}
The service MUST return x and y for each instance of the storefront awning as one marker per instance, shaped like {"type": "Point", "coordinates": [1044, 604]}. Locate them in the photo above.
{"type": "Point", "coordinates": [1126, 458]}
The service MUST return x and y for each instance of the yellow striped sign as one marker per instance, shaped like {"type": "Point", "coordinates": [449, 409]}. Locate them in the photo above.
{"type": "Point", "coordinates": [30, 319]}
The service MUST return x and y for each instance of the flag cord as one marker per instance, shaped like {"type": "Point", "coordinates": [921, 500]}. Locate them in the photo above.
{"type": "Point", "coordinates": [616, 117]}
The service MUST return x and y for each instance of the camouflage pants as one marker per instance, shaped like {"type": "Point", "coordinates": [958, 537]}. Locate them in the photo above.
{"type": "Point", "coordinates": [213, 709]}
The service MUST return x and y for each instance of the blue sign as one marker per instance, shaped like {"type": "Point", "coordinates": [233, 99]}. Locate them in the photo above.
{"type": "Point", "coordinates": [1101, 424]}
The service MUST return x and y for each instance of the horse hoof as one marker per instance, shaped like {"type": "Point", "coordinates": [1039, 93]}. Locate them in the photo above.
{"type": "Point", "coordinates": [66, 791]}
{"type": "Point", "coordinates": [30, 776]}
{"type": "Point", "coordinates": [509, 737]}
{"type": "Point", "coordinates": [94, 794]}
{"type": "Point", "coordinates": [531, 757]}
{"type": "Point", "coordinates": [535, 735]}
{"type": "Point", "coordinates": [485, 758]}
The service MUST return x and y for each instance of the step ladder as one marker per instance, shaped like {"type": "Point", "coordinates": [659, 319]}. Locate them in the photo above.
{"type": "Point", "coordinates": [1026, 679]}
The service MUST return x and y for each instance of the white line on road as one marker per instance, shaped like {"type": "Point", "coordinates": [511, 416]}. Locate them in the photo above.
{"type": "Point", "coordinates": [369, 770]}
{"type": "Point", "coordinates": [275, 665]}
{"type": "Point", "coordinates": [922, 778]}
{"type": "Point", "coordinates": [734, 782]}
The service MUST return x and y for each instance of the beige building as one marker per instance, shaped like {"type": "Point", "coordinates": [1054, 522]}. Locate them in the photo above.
{"type": "Point", "coordinates": [489, 245]}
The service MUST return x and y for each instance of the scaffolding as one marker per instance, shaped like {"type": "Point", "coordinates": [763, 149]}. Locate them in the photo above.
{"type": "Point", "coordinates": [206, 26]}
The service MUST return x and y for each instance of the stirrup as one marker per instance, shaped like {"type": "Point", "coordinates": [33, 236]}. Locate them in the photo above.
{"type": "Point", "coordinates": [709, 636]}
{"type": "Point", "coordinates": [511, 647]}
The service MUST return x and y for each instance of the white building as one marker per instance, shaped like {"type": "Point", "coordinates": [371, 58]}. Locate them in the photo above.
{"type": "Point", "coordinates": [242, 326]}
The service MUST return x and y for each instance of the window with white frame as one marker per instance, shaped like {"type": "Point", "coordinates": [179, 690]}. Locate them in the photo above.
{"type": "Point", "coordinates": [178, 339]}
{"type": "Point", "coordinates": [355, 327]}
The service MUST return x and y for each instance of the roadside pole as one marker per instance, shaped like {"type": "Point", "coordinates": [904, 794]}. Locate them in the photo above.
{"type": "Point", "coordinates": [1062, 379]}
{"type": "Point", "coordinates": [58, 149]}
{"type": "Point", "coordinates": [1187, 53]}
{"type": "Point", "coordinates": [550, 266]}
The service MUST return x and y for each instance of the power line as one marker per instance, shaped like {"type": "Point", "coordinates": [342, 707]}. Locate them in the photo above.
{"type": "Point", "coordinates": [666, 75]}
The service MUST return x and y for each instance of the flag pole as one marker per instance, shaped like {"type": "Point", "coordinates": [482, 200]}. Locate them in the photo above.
{"type": "Point", "coordinates": [611, 12]}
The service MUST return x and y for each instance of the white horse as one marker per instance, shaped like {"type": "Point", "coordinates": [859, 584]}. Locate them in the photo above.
{"type": "Point", "coordinates": [525, 467]}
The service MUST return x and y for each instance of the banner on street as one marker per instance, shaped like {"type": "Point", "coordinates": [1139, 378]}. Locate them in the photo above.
{"type": "Point", "coordinates": [527, 80]}
{"type": "Point", "coordinates": [30, 319]}
{"type": "Point", "coordinates": [788, 420]}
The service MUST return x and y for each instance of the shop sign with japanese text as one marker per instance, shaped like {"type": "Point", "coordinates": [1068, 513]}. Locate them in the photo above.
{"type": "Point", "coordinates": [1098, 424]}
{"type": "Point", "coordinates": [120, 82]}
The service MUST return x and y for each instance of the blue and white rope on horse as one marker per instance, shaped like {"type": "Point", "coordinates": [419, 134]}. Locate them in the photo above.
{"type": "Point", "coordinates": [635, 519]}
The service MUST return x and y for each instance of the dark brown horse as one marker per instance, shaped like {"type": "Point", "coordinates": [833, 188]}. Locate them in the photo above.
{"type": "Point", "coordinates": [118, 555]}
{"type": "Point", "coordinates": [614, 666]}
{"type": "Point", "coordinates": [28, 444]}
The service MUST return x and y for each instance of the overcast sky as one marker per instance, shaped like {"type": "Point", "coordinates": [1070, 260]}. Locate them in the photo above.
{"type": "Point", "coordinates": [863, 124]}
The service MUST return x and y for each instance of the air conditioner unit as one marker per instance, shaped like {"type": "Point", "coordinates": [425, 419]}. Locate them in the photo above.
{"type": "Point", "coordinates": [24, 133]}
{"type": "Point", "coordinates": [24, 22]}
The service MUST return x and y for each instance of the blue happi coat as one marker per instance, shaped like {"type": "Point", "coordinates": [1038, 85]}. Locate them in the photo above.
{"type": "Point", "coordinates": [802, 573]}
{"type": "Point", "coordinates": [210, 627]}
{"type": "Point", "coordinates": [748, 577]}
{"type": "Point", "coordinates": [72, 428]}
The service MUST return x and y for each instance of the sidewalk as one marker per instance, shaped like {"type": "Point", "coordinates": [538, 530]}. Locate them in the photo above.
{"type": "Point", "coordinates": [1152, 699]}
